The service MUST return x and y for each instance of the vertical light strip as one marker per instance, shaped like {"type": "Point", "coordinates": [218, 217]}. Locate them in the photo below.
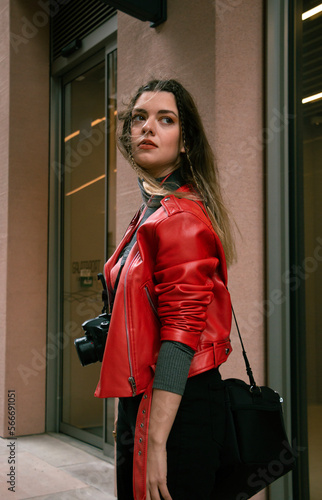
{"type": "Point", "coordinates": [307, 15]}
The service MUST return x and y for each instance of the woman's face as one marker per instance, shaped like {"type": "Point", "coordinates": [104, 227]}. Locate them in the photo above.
{"type": "Point", "coordinates": [156, 133]}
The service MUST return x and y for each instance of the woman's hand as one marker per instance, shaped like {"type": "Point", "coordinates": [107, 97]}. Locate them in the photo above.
{"type": "Point", "coordinates": [156, 480]}
{"type": "Point", "coordinates": [164, 408]}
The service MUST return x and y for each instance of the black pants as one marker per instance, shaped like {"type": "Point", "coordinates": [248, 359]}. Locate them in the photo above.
{"type": "Point", "coordinates": [194, 443]}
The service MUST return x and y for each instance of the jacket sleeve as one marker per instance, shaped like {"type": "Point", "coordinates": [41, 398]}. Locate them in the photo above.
{"type": "Point", "coordinates": [185, 271]}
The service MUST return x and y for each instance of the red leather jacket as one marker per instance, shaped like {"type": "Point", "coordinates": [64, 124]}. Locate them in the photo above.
{"type": "Point", "coordinates": [172, 287]}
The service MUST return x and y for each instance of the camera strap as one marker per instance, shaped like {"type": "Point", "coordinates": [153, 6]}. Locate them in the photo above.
{"type": "Point", "coordinates": [118, 279]}
{"type": "Point", "coordinates": [105, 297]}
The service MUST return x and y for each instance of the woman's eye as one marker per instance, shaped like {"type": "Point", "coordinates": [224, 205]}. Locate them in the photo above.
{"type": "Point", "coordinates": [167, 120]}
{"type": "Point", "coordinates": [138, 118]}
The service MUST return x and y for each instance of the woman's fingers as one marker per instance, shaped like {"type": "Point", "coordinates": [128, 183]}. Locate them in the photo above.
{"type": "Point", "coordinates": [157, 475]}
{"type": "Point", "coordinates": [165, 492]}
{"type": "Point", "coordinates": [154, 492]}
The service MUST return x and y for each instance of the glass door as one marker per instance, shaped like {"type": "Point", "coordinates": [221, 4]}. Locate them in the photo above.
{"type": "Point", "coordinates": [306, 245]}
{"type": "Point", "coordinates": [312, 263]}
{"type": "Point", "coordinates": [88, 220]}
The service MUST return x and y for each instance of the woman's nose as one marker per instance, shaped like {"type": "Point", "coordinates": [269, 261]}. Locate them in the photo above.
{"type": "Point", "coordinates": [148, 127]}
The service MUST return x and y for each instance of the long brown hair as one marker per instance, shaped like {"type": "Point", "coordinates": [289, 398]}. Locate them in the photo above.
{"type": "Point", "coordinates": [198, 166]}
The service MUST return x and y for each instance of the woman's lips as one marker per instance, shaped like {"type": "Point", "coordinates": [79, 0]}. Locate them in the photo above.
{"type": "Point", "coordinates": [147, 145]}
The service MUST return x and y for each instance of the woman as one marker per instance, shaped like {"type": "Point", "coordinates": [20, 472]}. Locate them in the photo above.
{"type": "Point", "coordinates": [171, 316]}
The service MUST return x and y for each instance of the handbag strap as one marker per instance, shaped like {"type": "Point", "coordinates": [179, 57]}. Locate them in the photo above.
{"type": "Point", "coordinates": [248, 368]}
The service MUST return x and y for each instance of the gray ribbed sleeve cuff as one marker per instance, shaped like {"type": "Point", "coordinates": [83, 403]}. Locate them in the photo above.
{"type": "Point", "coordinates": [173, 367]}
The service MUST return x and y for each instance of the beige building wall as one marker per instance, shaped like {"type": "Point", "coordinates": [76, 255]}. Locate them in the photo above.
{"type": "Point", "coordinates": [216, 50]}
{"type": "Point", "coordinates": [4, 173]}
{"type": "Point", "coordinates": [24, 90]}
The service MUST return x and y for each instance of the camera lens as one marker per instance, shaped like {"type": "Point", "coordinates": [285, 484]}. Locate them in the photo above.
{"type": "Point", "coordinates": [86, 351]}
{"type": "Point", "coordinates": [90, 348]}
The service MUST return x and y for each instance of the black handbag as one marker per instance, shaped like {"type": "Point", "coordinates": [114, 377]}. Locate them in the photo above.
{"type": "Point", "coordinates": [256, 451]}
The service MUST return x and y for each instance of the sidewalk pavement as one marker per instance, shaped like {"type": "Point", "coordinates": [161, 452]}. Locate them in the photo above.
{"type": "Point", "coordinates": [54, 467]}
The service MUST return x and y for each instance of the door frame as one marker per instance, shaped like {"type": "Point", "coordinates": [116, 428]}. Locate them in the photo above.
{"type": "Point", "coordinates": [277, 217]}
{"type": "Point", "coordinates": [284, 223]}
{"type": "Point", "coordinates": [301, 482]}
{"type": "Point", "coordinates": [95, 49]}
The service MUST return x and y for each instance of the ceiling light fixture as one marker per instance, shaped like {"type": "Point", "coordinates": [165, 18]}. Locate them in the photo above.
{"type": "Point", "coordinates": [74, 134]}
{"type": "Point", "coordinates": [99, 120]}
{"type": "Point", "coordinates": [312, 12]}
{"type": "Point", "coordinates": [85, 185]}
{"type": "Point", "coordinates": [311, 98]}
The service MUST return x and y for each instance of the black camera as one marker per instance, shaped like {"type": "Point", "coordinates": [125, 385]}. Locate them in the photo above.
{"type": "Point", "coordinates": [90, 348]}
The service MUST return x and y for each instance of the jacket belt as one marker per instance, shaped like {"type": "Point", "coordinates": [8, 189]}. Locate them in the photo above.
{"type": "Point", "coordinates": [141, 444]}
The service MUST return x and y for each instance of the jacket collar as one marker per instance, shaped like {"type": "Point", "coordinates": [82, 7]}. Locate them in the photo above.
{"type": "Point", "coordinates": [172, 182]}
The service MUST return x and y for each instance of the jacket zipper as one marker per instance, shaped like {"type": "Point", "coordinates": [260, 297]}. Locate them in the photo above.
{"type": "Point", "coordinates": [131, 379]}
{"type": "Point", "coordinates": [151, 301]}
